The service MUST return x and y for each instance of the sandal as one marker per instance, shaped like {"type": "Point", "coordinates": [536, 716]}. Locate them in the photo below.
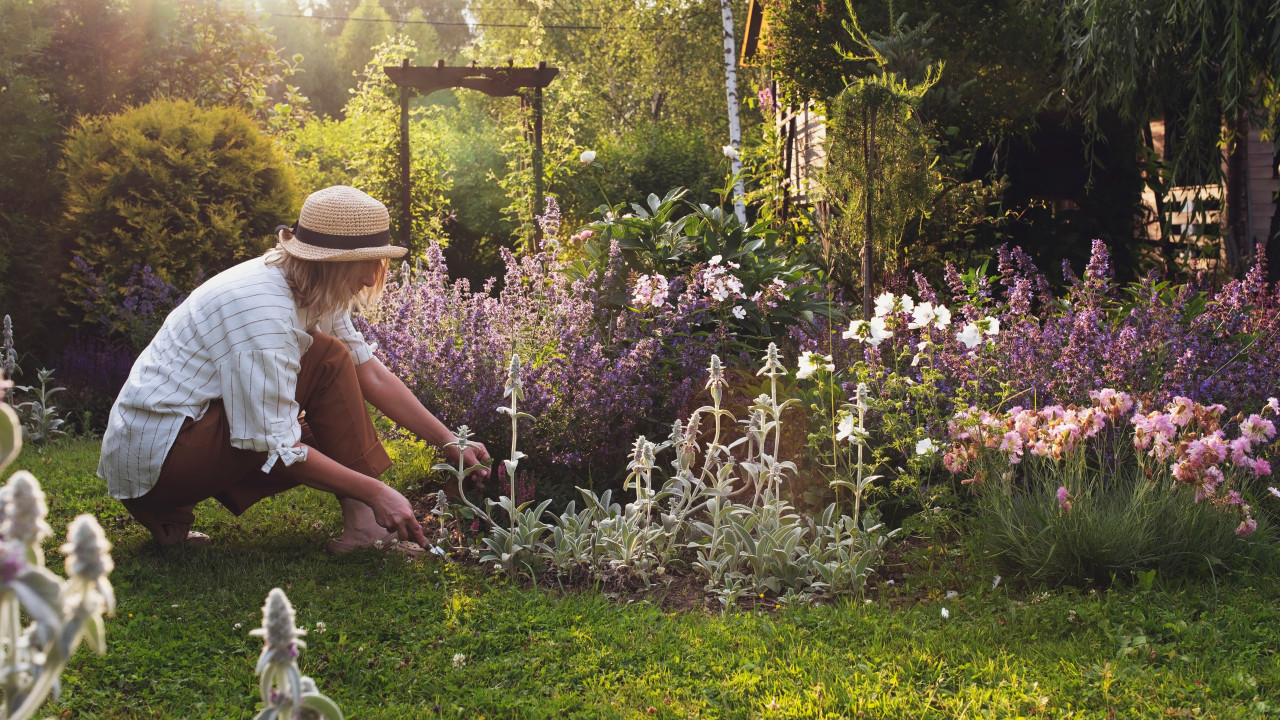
{"type": "Point", "coordinates": [388, 543]}
{"type": "Point", "coordinates": [171, 535]}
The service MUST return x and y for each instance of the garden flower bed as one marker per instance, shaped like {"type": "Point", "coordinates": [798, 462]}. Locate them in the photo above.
{"type": "Point", "coordinates": [389, 639]}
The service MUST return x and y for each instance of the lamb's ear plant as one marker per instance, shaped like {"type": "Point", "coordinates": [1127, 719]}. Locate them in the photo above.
{"type": "Point", "coordinates": [39, 416]}
{"type": "Point", "coordinates": [8, 355]}
{"type": "Point", "coordinates": [461, 441]}
{"type": "Point", "coordinates": [725, 518]}
{"type": "Point", "coordinates": [62, 613]}
{"type": "Point", "coordinates": [287, 694]}
{"type": "Point", "coordinates": [514, 546]}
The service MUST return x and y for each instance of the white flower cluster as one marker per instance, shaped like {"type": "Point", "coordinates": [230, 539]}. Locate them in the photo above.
{"type": "Point", "coordinates": [923, 316]}
{"type": "Point", "coordinates": [926, 314]}
{"type": "Point", "coordinates": [649, 291]}
{"type": "Point", "coordinates": [872, 332]}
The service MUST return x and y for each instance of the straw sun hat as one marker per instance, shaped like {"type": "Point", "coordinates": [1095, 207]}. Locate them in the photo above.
{"type": "Point", "coordinates": [340, 224]}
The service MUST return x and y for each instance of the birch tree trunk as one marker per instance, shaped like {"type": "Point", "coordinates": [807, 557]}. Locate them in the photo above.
{"type": "Point", "coordinates": [731, 90]}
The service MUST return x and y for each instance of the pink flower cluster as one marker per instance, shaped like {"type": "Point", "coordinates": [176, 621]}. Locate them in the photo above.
{"type": "Point", "coordinates": [1190, 435]}
{"type": "Point", "coordinates": [649, 290]}
{"type": "Point", "coordinates": [717, 280]}
{"type": "Point", "coordinates": [768, 296]}
{"type": "Point", "coordinates": [1186, 435]}
{"type": "Point", "coordinates": [1051, 432]}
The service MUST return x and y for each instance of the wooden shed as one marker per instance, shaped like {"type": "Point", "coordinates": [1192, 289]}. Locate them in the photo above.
{"type": "Point", "coordinates": [802, 130]}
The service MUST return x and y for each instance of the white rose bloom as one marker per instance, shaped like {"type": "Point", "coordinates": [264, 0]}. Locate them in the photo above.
{"type": "Point", "coordinates": [587, 157]}
{"type": "Point", "coordinates": [730, 152]}
{"type": "Point", "coordinates": [926, 447]}
{"type": "Point", "coordinates": [993, 326]}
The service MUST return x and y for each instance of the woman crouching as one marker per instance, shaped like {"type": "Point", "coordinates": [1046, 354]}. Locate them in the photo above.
{"type": "Point", "coordinates": [257, 383]}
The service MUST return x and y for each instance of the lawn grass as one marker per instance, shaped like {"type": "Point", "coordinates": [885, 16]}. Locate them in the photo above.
{"type": "Point", "coordinates": [179, 644]}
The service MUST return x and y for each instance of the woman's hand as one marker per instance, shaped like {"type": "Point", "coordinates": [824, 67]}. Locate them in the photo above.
{"type": "Point", "coordinates": [392, 511]}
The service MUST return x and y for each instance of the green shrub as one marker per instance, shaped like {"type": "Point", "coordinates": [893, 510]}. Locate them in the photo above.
{"type": "Point", "coordinates": [651, 158]}
{"type": "Point", "coordinates": [182, 189]}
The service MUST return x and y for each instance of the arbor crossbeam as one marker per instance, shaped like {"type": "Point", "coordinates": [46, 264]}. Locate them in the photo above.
{"type": "Point", "coordinates": [510, 81]}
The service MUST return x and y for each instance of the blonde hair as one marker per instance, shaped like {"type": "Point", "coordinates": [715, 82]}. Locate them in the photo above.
{"type": "Point", "coordinates": [321, 288]}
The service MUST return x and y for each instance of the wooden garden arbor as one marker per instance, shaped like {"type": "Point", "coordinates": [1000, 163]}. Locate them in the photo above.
{"type": "Point", "coordinates": [523, 82]}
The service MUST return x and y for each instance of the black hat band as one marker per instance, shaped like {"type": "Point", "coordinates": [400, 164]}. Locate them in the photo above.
{"type": "Point", "coordinates": [342, 242]}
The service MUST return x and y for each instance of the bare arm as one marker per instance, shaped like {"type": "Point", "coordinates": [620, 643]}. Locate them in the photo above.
{"type": "Point", "coordinates": [389, 394]}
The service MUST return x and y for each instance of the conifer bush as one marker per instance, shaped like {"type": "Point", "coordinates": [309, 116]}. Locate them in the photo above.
{"type": "Point", "coordinates": [172, 186]}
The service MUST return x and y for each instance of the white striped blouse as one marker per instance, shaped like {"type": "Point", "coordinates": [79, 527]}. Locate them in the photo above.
{"type": "Point", "coordinates": [239, 337]}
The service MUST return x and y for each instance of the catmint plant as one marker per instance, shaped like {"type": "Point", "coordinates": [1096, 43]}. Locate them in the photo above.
{"type": "Point", "coordinates": [452, 345]}
{"type": "Point", "coordinates": [287, 694]}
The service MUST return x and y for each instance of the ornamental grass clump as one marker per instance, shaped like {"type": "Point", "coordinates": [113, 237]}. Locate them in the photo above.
{"type": "Point", "coordinates": [1071, 494]}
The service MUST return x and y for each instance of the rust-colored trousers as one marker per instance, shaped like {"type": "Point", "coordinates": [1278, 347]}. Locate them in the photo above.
{"type": "Point", "coordinates": [202, 463]}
